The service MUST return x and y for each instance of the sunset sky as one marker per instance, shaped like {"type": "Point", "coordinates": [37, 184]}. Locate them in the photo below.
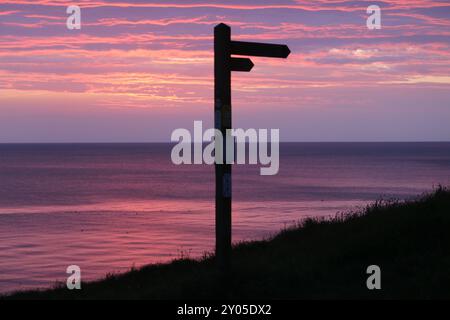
{"type": "Point", "coordinates": [139, 69]}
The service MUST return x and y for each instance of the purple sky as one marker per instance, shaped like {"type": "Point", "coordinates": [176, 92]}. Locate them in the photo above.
{"type": "Point", "coordinates": [139, 69]}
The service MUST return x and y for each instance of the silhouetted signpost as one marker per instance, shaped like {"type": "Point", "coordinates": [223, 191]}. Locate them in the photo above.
{"type": "Point", "coordinates": [224, 47]}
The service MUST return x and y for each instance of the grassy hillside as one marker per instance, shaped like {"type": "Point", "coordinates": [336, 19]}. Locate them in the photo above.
{"type": "Point", "coordinates": [410, 241]}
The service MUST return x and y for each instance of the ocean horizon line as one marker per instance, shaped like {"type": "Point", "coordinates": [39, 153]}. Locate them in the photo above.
{"type": "Point", "coordinates": [171, 142]}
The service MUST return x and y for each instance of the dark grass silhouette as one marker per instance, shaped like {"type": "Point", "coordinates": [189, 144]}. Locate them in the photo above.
{"type": "Point", "coordinates": [318, 259]}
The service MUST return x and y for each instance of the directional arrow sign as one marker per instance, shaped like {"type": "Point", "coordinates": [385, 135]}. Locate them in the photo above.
{"type": "Point", "coordinates": [259, 49]}
{"type": "Point", "coordinates": [224, 64]}
{"type": "Point", "coordinates": [241, 64]}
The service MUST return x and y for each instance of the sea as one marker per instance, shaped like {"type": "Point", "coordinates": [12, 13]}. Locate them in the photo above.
{"type": "Point", "coordinates": [110, 207]}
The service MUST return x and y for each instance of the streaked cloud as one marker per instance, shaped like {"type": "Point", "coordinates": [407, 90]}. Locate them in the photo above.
{"type": "Point", "coordinates": [158, 54]}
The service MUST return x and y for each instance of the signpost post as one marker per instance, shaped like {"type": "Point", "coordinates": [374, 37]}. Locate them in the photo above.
{"type": "Point", "coordinates": [224, 47]}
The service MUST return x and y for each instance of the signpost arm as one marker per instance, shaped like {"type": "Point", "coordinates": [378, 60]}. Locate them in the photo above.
{"type": "Point", "coordinates": [260, 49]}
{"type": "Point", "coordinates": [222, 120]}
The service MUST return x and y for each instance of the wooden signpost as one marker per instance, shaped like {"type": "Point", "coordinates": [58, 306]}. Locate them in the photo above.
{"type": "Point", "coordinates": [224, 63]}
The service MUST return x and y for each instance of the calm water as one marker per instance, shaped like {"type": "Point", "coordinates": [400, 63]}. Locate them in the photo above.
{"type": "Point", "coordinates": [109, 207]}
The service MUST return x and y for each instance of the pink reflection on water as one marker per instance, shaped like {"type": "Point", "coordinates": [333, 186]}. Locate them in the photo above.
{"type": "Point", "coordinates": [112, 237]}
